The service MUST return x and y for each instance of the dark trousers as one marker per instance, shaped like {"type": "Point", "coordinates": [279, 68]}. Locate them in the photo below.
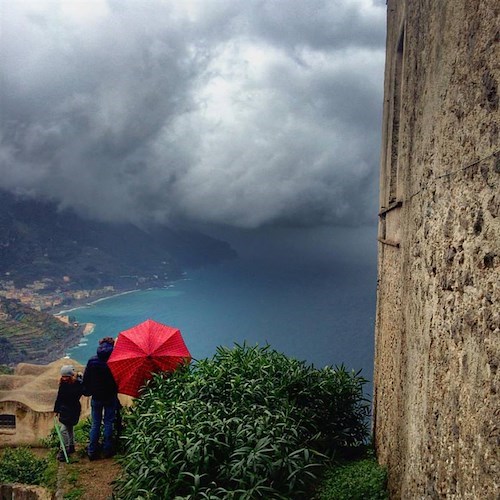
{"type": "Point", "coordinates": [103, 412]}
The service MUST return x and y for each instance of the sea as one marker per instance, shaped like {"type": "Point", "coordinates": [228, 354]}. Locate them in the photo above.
{"type": "Point", "coordinates": [321, 314]}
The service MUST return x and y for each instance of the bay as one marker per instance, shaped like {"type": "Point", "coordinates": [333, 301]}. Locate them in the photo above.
{"type": "Point", "coordinates": [321, 314]}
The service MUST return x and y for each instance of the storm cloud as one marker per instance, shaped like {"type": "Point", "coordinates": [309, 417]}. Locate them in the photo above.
{"type": "Point", "coordinates": [243, 113]}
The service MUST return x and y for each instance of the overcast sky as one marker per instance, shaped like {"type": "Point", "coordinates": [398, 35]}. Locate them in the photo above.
{"type": "Point", "coordinates": [234, 113]}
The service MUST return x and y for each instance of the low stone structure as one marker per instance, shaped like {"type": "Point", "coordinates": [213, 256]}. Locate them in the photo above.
{"type": "Point", "coordinates": [24, 492]}
{"type": "Point", "coordinates": [27, 401]}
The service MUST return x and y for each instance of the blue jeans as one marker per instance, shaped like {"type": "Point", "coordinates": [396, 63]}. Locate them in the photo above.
{"type": "Point", "coordinates": [100, 409]}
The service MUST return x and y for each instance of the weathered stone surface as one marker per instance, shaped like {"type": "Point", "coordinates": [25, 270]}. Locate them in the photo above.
{"type": "Point", "coordinates": [436, 402]}
{"type": "Point", "coordinates": [27, 397]}
{"type": "Point", "coordinates": [23, 492]}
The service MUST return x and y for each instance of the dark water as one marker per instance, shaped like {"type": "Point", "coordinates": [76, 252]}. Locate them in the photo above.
{"type": "Point", "coordinates": [321, 314]}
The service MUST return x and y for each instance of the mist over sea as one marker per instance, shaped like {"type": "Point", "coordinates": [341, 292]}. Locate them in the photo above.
{"type": "Point", "coordinates": [319, 313]}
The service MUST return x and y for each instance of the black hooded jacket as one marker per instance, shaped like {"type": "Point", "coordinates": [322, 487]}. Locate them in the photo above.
{"type": "Point", "coordinates": [67, 403]}
{"type": "Point", "coordinates": [98, 381]}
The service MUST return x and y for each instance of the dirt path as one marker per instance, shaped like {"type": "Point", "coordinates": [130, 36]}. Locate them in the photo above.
{"type": "Point", "coordinates": [82, 479]}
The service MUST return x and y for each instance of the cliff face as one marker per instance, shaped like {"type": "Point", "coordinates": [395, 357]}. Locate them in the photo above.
{"type": "Point", "coordinates": [437, 380]}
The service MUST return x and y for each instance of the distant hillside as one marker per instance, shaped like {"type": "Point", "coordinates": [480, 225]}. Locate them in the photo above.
{"type": "Point", "coordinates": [29, 335]}
{"type": "Point", "coordinates": [38, 241]}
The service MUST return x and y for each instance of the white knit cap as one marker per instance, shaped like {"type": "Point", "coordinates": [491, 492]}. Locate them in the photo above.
{"type": "Point", "coordinates": [67, 371]}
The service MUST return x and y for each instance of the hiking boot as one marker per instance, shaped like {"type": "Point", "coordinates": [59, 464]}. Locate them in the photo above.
{"type": "Point", "coordinates": [60, 456]}
{"type": "Point", "coordinates": [71, 449]}
{"type": "Point", "coordinates": [109, 453]}
{"type": "Point", "coordinates": [93, 455]}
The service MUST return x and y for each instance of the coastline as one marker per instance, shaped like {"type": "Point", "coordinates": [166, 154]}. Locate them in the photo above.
{"type": "Point", "coordinates": [83, 303]}
{"type": "Point", "coordinates": [88, 328]}
{"type": "Point", "coordinates": [101, 299]}
{"type": "Point", "coordinates": [78, 332]}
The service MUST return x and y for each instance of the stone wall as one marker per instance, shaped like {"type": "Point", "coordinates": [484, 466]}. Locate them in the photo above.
{"type": "Point", "coordinates": [30, 426]}
{"type": "Point", "coordinates": [436, 404]}
{"type": "Point", "coordinates": [24, 492]}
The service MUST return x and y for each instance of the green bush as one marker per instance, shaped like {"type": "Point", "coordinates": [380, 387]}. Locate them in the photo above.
{"type": "Point", "coordinates": [20, 465]}
{"type": "Point", "coordinates": [249, 423]}
{"type": "Point", "coordinates": [359, 480]}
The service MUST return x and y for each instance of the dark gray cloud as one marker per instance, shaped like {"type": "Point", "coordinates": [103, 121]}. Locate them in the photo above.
{"type": "Point", "coordinates": [240, 113]}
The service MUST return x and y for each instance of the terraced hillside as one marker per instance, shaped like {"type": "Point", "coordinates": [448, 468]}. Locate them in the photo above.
{"type": "Point", "coordinates": [27, 335]}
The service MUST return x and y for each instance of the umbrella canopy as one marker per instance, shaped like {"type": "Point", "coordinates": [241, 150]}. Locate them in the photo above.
{"type": "Point", "coordinates": [143, 350]}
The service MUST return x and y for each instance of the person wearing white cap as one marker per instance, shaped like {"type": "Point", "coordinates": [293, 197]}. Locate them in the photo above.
{"type": "Point", "coordinates": [67, 407]}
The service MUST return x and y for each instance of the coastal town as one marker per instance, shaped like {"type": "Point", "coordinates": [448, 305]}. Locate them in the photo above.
{"type": "Point", "coordinates": [47, 295]}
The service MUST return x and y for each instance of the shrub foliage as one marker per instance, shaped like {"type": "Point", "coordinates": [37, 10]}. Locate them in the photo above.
{"type": "Point", "coordinates": [20, 465]}
{"type": "Point", "coordinates": [249, 423]}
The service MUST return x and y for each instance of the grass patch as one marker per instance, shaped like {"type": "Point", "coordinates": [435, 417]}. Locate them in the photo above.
{"type": "Point", "coordinates": [76, 491]}
{"type": "Point", "coordinates": [74, 494]}
{"type": "Point", "coordinates": [362, 479]}
{"type": "Point", "coordinates": [20, 465]}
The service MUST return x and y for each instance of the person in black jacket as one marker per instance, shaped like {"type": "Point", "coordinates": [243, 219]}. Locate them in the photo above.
{"type": "Point", "coordinates": [67, 407]}
{"type": "Point", "coordinates": [99, 383]}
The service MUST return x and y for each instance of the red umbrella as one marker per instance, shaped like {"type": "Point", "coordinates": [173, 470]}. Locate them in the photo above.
{"type": "Point", "coordinates": [143, 350]}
